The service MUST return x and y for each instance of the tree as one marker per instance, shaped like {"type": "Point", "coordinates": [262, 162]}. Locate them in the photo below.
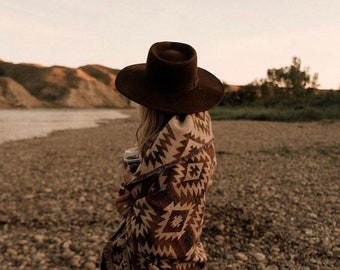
{"type": "Point", "coordinates": [292, 78]}
{"type": "Point", "coordinates": [281, 84]}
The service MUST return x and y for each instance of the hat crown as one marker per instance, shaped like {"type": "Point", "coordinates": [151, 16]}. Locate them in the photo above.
{"type": "Point", "coordinates": [172, 67]}
{"type": "Point", "coordinates": [173, 56]}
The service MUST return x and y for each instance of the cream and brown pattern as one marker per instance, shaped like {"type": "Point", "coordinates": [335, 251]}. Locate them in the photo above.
{"type": "Point", "coordinates": [169, 188]}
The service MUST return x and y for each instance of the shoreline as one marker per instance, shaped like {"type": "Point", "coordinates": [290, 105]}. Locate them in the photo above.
{"type": "Point", "coordinates": [273, 205]}
{"type": "Point", "coordinates": [21, 128]}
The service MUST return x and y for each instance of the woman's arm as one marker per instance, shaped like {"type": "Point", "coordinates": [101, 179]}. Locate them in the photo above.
{"type": "Point", "coordinates": [167, 216]}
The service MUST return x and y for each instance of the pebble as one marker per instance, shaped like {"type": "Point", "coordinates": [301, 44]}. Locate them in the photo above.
{"type": "Point", "coordinates": [309, 232]}
{"type": "Point", "coordinates": [272, 267]}
{"type": "Point", "coordinates": [75, 261]}
{"type": "Point", "coordinates": [336, 252]}
{"type": "Point", "coordinates": [67, 244]}
{"type": "Point", "coordinates": [39, 256]}
{"type": "Point", "coordinates": [39, 238]}
{"type": "Point", "coordinates": [48, 190]}
{"type": "Point", "coordinates": [241, 256]}
{"type": "Point", "coordinates": [313, 215]}
{"type": "Point", "coordinates": [108, 207]}
{"type": "Point", "coordinates": [275, 250]}
{"type": "Point", "coordinates": [92, 258]}
{"type": "Point", "coordinates": [313, 261]}
{"type": "Point", "coordinates": [219, 239]}
{"type": "Point", "coordinates": [29, 196]}
{"type": "Point", "coordinates": [12, 252]}
{"type": "Point", "coordinates": [90, 266]}
{"type": "Point", "coordinates": [23, 266]}
{"type": "Point", "coordinates": [220, 227]}
{"type": "Point", "coordinates": [68, 254]}
{"type": "Point", "coordinates": [259, 256]}
{"type": "Point", "coordinates": [326, 242]}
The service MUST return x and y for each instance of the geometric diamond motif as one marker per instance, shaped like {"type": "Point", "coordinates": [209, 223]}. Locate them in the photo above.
{"type": "Point", "coordinates": [175, 220]}
{"type": "Point", "coordinates": [194, 171]}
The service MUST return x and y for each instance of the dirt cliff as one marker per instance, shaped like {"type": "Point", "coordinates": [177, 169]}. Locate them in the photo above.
{"type": "Point", "coordinates": [13, 94]}
{"type": "Point", "coordinates": [57, 86]}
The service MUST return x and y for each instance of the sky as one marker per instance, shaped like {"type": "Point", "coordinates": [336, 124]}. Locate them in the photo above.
{"type": "Point", "coordinates": [238, 40]}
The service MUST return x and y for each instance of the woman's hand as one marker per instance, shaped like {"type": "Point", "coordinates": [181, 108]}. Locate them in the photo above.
{"type": "Point", "coordinates": [124, 202]}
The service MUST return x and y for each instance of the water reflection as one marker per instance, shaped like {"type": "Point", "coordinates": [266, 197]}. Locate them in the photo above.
{"type": "Point", "coordinates": [16, 124]}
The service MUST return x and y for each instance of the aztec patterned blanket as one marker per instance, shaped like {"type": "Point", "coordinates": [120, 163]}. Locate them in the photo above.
{"type": "Point", "coordinates": [163, 228]}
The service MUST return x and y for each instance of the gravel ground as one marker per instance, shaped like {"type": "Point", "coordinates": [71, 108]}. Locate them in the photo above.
{"type": "Point", "coordinates": [274, 203]}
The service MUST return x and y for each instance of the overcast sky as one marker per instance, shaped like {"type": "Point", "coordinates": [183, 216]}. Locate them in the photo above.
{"type": "Point", "coordinates": [236, 40]}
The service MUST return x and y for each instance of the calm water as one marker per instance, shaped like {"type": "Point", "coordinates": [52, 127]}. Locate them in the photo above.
{"type": "Point", "coordinates": [17, 124]}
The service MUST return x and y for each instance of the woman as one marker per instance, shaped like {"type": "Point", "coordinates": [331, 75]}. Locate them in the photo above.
{"type": "Point", "coordinates": [163, 202]}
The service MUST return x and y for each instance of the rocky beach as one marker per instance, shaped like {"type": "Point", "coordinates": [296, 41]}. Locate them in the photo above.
{"type": "Point", "coordinates": [274, 203]}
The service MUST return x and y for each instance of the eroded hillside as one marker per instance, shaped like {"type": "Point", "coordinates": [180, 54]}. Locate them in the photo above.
{"type": "Point", "coordinates": [31, 85]}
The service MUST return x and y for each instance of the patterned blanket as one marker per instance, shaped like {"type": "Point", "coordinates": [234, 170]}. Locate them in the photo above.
{"type": "Point", "coordinates": [163, 228]}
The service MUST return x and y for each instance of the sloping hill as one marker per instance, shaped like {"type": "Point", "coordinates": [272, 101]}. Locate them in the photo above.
{"type": "Point", "coordinates": [12, 94]}
{"type": "Point", "coordinates": [87, 86]}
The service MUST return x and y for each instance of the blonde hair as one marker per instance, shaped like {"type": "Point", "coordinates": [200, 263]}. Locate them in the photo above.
{"type": "Point", "coordinates": [151, 123]}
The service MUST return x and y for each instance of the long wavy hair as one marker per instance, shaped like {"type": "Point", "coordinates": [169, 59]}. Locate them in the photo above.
{"type": "Point", "coordinates": [151, 123]}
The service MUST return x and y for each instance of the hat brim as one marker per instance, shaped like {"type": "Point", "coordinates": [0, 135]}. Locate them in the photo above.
{"type": "Point", "coordinates": [131, 83]}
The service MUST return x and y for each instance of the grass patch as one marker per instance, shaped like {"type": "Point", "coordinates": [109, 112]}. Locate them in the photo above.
{"type": "Point", "coordinates": [282, 151]}
{"type": "Point", "coordinates": [328, 150]}
{"type": "Point", "coordinates": [277, 113]}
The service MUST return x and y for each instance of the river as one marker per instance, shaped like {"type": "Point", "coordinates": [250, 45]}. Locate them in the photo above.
{"type": "Point", "coordinates": [18, 124]}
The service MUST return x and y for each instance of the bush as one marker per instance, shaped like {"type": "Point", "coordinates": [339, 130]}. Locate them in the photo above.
{"type": "Point", "coordinates": [325, 99]}
{"type": "Point", "coordinates": [2, 72]}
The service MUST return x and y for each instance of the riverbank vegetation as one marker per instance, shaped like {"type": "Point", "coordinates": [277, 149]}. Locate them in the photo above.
{"type": "Point", "coordinates": [287, 94]}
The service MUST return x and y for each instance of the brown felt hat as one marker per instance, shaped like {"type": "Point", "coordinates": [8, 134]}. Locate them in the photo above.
{"type": "Point", "coordinates": [170, 81]}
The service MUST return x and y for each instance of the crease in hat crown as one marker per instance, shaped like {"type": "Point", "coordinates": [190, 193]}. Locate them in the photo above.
{"type": "Point", "coordinates": [172, 66]}
{"type": "Point", "coordinates": [170, 80]}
